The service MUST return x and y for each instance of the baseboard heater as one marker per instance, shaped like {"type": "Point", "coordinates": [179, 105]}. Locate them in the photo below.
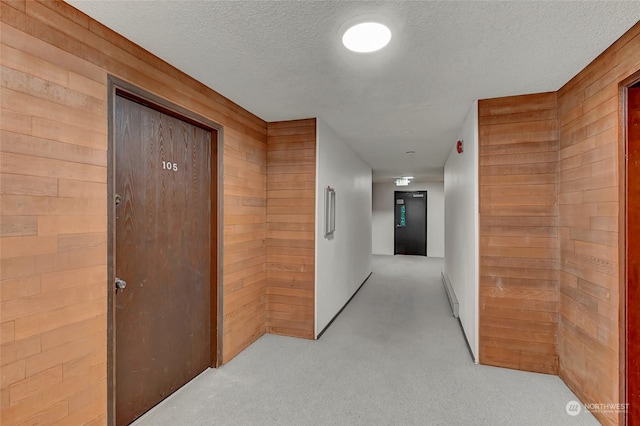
{"type": "Point", "coordinates": [451, 295]}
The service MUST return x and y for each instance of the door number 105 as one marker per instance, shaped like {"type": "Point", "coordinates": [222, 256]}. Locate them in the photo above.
{"type": "Point", "coordinates": [168, 165]}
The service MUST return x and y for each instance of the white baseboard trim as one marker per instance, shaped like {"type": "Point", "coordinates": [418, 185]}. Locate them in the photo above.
{"type": "Point", "coordinates": [451, 295]}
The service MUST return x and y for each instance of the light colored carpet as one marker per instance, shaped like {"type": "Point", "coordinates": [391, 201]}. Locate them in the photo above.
{"type": "Point", "coordinates": [395, 356]}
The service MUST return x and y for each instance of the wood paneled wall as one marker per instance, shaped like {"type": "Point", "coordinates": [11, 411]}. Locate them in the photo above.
{"type": "Point", "coordinates": [244, 247]}
{"type": "Point", "coordinates": [589, 193]}
{"type": "Point", "coordinates": [586, 257]}
{"type": "Point", "coordinates": [55, 61]}
{"type": "Point", "coordinates": [518, 232]}
{"type": "Point", "coordinates": [291, 209]}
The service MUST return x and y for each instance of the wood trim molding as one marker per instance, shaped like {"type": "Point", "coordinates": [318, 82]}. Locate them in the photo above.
{"type": "Point", "coordinates": [622, 232]}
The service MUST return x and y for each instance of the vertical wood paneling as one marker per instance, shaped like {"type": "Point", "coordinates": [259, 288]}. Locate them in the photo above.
{"type": "Point", "coordinates": [55, 62]}
{"type": "Point", "coordinates": [291, 183]}
{"type": "Point", "coordinates": [588, 189]}
{"type": "Point", "coordinates": [518, 236]}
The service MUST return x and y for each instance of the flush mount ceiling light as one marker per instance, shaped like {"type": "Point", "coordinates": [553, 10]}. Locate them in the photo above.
{"type": "Point", "coordinates": [366, 37]}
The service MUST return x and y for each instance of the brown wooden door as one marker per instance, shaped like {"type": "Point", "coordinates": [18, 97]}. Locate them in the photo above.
{"type": "Point", "coordinates": [163, 252]}
{"type": "Point", "coordinates": [633, 256]}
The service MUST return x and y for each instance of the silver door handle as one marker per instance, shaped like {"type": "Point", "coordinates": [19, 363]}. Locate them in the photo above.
{"type": "Point", "coordinates": [120, 284]}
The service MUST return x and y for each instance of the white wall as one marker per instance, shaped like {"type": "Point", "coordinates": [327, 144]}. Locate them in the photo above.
{"type": "Point", "coordinates": [343, 261]}
{"type": "Point", "coordinates": [383, 222]}
{"type": "Point", "coordinates": [462, 226]}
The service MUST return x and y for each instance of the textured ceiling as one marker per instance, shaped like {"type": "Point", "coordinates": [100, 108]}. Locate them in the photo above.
{"type": "Point", "coordinates": [283, 60]}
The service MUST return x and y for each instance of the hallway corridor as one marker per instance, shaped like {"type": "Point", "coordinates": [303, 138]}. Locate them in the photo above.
{"type": "Point", "coordinates": [395, 356]}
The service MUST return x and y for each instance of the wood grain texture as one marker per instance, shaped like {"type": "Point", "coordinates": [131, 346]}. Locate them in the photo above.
{"type": "Point", "coordinates": [633, 253]}
{"type": "Point", "coordinates": [552, 258]}
{"type": "Point", "coordinates": [589, 223]}
{"type": "Point", "coordinates": [163, 249]}
{"type": "Point", "coordinates": [518, 232]}
{"type": "Point", "coordinates": [291, 159]}
{"type": "Point", "coordinates": [55, 62]}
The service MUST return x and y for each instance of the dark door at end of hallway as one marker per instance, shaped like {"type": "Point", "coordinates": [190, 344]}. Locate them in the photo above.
{"type": "Point", "coordinates": [410, 222]}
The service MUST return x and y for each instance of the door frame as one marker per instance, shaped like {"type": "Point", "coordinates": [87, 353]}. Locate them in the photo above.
{"type": "Point", "coordinates": [117, 87]}
{"type": "Point", "coordinates": [623, 246]}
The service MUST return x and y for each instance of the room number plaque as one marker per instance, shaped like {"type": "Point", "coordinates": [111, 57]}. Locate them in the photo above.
{"type": "Point", "coordinates": [168, 165]}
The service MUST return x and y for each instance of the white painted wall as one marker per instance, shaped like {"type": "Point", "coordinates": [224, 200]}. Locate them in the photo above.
{"type": "Point", "coordinates": [383, 223]}
{"type": "Point", "coordinates": [343, 261]}
{"type": "Point", "coordinates": [462, 226]}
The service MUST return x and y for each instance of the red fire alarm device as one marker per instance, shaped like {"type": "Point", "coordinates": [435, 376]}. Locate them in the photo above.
{"type": "Point", "coordinates": [459, 147]}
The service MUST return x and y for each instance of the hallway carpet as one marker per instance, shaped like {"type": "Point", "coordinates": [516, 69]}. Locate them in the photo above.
{"type": "Point", "coordinates": [395, 356]}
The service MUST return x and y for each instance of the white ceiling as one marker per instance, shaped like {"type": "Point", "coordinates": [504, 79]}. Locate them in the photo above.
{"type": "Point", "coordinates": [283, 60]}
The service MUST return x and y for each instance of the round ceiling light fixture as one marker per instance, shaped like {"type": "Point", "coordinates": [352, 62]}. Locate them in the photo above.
{"type": "Point", "coordinates": [366, 37]}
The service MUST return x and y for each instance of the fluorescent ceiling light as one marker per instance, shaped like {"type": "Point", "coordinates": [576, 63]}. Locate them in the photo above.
{"type": "Point", "coordinates": [366, 37]}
